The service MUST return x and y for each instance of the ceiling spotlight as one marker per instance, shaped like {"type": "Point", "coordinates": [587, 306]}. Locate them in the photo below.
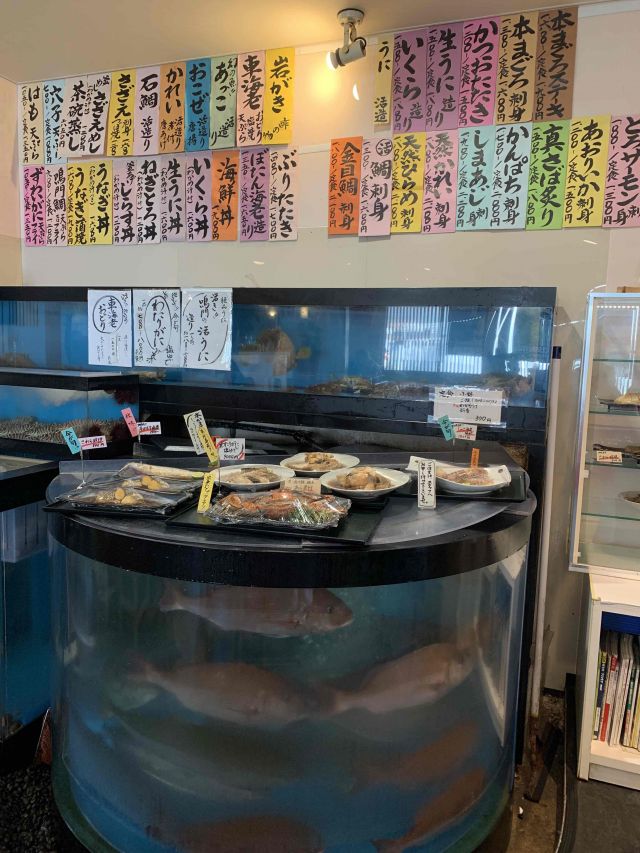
{"type": "Point", "coordinates": [354, 46]}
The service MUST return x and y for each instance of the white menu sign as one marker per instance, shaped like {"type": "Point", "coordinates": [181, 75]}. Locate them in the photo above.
{"type": "Point", "coordinates": [426, 484]}
{"type": "Point", "coordinates": [206, 328]}
{"type": "Point", "coordinates": [109, 326]}
{"type": "Point", "coordinates": [468, 405]}
{"type": "Point", "coordinates": [156, 328]}
{"type": "Point", "coordinates": [231, 449]}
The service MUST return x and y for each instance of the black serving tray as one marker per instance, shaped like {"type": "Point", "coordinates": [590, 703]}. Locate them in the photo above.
{"type": "Point", "coordinates": [619, 408]}
{"type": "Point", "coordinates": [515, 492]}
{"type": "Point", "coordinates": [356, 529]}
{"type": "Point", "coordinates": [68, 508]}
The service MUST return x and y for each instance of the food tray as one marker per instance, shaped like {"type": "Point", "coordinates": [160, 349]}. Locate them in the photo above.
{"type": "Point", "coordinates": [515, 492]}
{"type": "Point", "coordinates": [356, 529]}
{"type": "Point", "coordinates": [620, 408]}
{"type": "Point", "coordinates": [68, 508]}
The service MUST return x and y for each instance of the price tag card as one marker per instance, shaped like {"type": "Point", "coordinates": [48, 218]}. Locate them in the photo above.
{"type": "Point", "coordinates": [195, 421]}
{"type": "Point", "coordinates": [310, 485]}
{"type": "Point", "coordinates": [130, 421]}
{"type": "Point", "coordinates": [231, 449]}
{"type": "Point", "coordinates": [468, 405]}
{"type": "Point", "coordinates": [72, 440]}
{"type": "Point", "coordinates": [206, 491]}
{"type": "Point", "coordinates": [209, 446]}
{"type": "Point", "coordinates": [93, 442]}
{"type": "Point", "coordinates": [475, 457]}
{"type": "Point", "coordinates": [447, 427]}
{"type": "Point", "coordinates": [609, 457]}
{"type": "Point", "coordinates": [149, 428]}
{"type": "Point", "coordinates": [467, 432]}
{"type": "Point", "coordinates": [426, 484]}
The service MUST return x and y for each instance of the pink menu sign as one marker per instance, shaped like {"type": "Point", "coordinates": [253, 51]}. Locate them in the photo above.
{"type": "Point", "coordinates": [440, 183]}
{"type": "Point", "coordinates": [409, 81]}
{"type": "Point", "coordinates": [34, 191]}
{"type": "Point", "coordinates": [444, 43]}
{"type": "Point", "coordinates": [375, 187]}
{"type": "Point", "coordinates": [479, 66]}
{"type": "Point", "coordinates": [622, 193]}
{"type": "Point", "coordinates": [254, 194]}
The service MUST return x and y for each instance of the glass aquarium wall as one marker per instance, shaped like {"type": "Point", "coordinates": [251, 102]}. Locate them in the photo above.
{"type": "Point", "coordinates": [284, 719]}
{"type": "Point", "coordinates": [25, 621]}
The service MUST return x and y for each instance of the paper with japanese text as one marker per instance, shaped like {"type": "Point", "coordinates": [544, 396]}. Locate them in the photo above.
{"type": "Point", "coordinates": [223, 101]}
{"type": "Point", "coordinates": [516, 68]}
{"type": "Point", "coordinates": [56, 182]}
{"type": "Point", "coordinates": [547, 175]}
{"type": "Point", "coordinates": [225, 167]}
{"type": "Point", "coordinates": [77, 203]}
{"type": "Point", "coordinates": [283, 194]}
{"type": "Point", "coordinates": [277, 120]}
{"type": "Point", "coordinates": [156, 328]}
{"type": "Point", "coordinates": [255, 167]}
{"type": "Point", "coordinates": [586, 171]}
{"type": "Point", "coordinates": [375, 186]}
{"type": "Point", "coordinates": [407, 183]}
{"type": "Point", "coordinates": [475, 171]}
{"type": "Point", "coordinates": [172, 103]}
{"type": "Point", "coordinates": [109, 327]}
{"type": "Point", "coordinates": [510, 181]}
{"type": "Point", "coordinates": [468, 405]}
{"type": "Point", "coordinates": [124, 201]}
{"type": "Point", "coordinates": [34, 199]}
{"type": "Point", "coordinates": [440, 182]}
{"type": "Point", "coordinates": [622, 193]}
{"type": "Point", "coordinates": [95, 115]}
{"type": "Point", "coordinates": [173, 205]}
{"type": "Point", "coordinates": [146, 112]}
{"type": "Point", "coordinates": [198, 196]}
{"type": "Point", "coordinates": [383, 82]}
{"type": "Point", "coordinates": [197, 105]}
{"type": "Point", "coordinates": [70, 128]}
{"type": "Point", "coordinates": [99, 224]}
{"type": "Point", "coordinates": [444, 54]}
{"type": "Point", "coordinates": [148, 200]}
{"type": "Point", "coordinates": [410, 81]}
{"type": "Point", "coordinates": [345, 164]}
{"type": "Point", "coordinates": [555, 63]}
{"type": "Point", "coordinates": [206, 328]}
{"type": "Point", "coordinates": [121, 108]}
{"type": "Point", "coordinates": [32, 104]}
{"type": "Point", "coordinates": [53, 92]}
{"type": "Point", "coordinates": [479, 66]}
{"type": "Point", "coordinates": [250, 98]}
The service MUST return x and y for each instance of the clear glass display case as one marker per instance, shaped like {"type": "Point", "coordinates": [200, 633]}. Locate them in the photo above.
{"type": "Point", "coordinates": [606, 510]}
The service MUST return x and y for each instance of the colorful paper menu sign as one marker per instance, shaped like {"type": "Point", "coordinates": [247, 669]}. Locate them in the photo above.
{"type": "Point", "coordinates": [447, 427]}
{"type": "Point", "coordinates": [277, 121]}
{"type": "Point", "coordinates": [468, 405]}
{"type": "Point", "coordinates": [131, 422]}
{"type": "Point", "coordinates": [231, 449]}
{"type": "Point", "coordinates": [209, 446]}
{"type": "Point", "coordinates": [383, 81]}
{"type": "Point", "coordinates": [475, 457]}
{"type": "Point", "coordinates": [206, 491]}
{"type": "Point", "coordinates": [345, 167]}
{"type": "Point", "coordinates": [93, 442]}
{"type": "Point", "coordinates": [586, 171]}
{"type": "Point", "coordinates": [71, 439]}
{"type": "Point", "coordinates": [467, 432]}
{"type": "Point", "coordinates": [426, 484]}
{"type": "Point", "coordinates": [195, 422]}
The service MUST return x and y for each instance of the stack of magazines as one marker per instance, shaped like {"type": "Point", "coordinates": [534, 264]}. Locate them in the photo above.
{"type": "Point", "coordinates": [616, 719]}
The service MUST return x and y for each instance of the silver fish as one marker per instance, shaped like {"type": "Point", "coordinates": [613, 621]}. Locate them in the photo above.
{"type": "Point", "coordinates": [260, 610]}
{"type": "Point", "coordinates": [237, 692]}
{"type": "Point", "coordinates": [422, 676]}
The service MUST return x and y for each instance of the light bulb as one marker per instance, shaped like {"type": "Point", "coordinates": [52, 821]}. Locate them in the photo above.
{"type": "Point", "coordinates": [355, 92]}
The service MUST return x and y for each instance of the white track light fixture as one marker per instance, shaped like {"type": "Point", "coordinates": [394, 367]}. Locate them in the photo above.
{"type": "Point", "coordinates": [354, 46]}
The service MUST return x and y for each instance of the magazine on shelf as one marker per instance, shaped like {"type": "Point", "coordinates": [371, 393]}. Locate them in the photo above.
{"type": "Point", "coordinates": [612, 684]}
{"type": "Point", "coordinates": [602, 677]}
{"type": "Point", "coordinates": [622, 689]}
{"type": "Point", "coordinates": [627, 729]}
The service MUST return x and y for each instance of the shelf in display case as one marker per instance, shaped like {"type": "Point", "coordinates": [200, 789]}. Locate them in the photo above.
{"type": "Point", "coordinates": [630, 414]}
{"type": "Point", "coordinates": [617, 360]}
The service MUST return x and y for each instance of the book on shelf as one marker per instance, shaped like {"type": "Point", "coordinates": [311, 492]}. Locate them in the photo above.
{"type": "Point", "coordinates": [602, 676]}
{"type": "Point", "coordinates": [632, 694]}
{"type": "Point", "coordinates": [611, 685]}
{"type": "Point", "coordinates": [616, 716]}
{"type": "Point", "coordinates": [622, 689]}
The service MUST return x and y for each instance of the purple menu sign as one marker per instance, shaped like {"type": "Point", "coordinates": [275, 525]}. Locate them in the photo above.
{"type": "Point", "coordinates": [254, 194]}
{"type": "Point", "coordinates": [409, 81]}
{"type": "Point", "coordinates": [444, 44]}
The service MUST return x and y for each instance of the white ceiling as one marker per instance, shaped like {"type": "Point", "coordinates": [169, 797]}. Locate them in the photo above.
{"type": "Point", "coordinates": [42, 39]}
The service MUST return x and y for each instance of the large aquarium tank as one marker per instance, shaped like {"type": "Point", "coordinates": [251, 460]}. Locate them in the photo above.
{"type": "Point", "coordinates": [200, 717]}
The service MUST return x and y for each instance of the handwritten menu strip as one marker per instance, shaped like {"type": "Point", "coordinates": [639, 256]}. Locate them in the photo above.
{"type": "Point", "coordinates": [440, 183]}
{"type": "Point", "coordinates": [56, 184]}
{"type": "Point", "coordinates": [479, 65]}
{"type": "Point", "coordinates": [375, 187]}
{"type": "Point", "coordinates": [250, 98]}
{"type": "Point", "coordinates": [345, 165]}
{"type": "Point", "coordinates": [468, 405]}
{"type": "Point", "coordinates": [383, 82]}
{"type": "Point", "coordinates": [148, 200]}
{"type": "Point", "coordinates": [476, 147]}
{"type": "Point", "coordinates": [53, 93]}
{"type": "Point", "coordinates": [510, 176]}
{"type": "Point", "coordinates": [34, 190]}
{"type": "Point", "coordinates": [277, 121]}
{"type": "Point", "coordinates": [516, 68]}
{"type": "Point", "coordinates": [622, 194]}
{"type": "Point", "coordinates": [195, 423]}
{"type": "Point", "coordinates": [586, 171]}
{"type": "Point", "coordinates": [283, 194]}
{"type": "Point", "coordinates": [109, 327]}
{"type": "Point", "coordinates": [444, 47]}
{"type": "Point", "coordinates": [124, 202]}
{"type": "Point", "coordinates": [407, 189]}
{"type": "Point", "coordinates": [75, 92]}
{"type": "Point", "coordinates": [77, 203]}
{"type": "Point", "coordinates": [223, 101]}
{"type": "Point", "coordinates": [71, 439]}
{"type": "Point", "coordinates": [254, 194]}
{"type": "Point", "coordinates": [198, 100]}
{"type": "Point", "coordinates": [31, 98]}
{"type": "Point", "coordinates": [206, 329]}
{"type": "Point", "coordinates": [547, 175]}
{"type": "Point", "coordinates": [426, 484]}
{"type": "Point", "coordinates": [146, 111]}
{"type": "Point", "coordinates": [225, 166]}
{"type": "Point", "coordinates": [172, 97]}
{"type": "Point", "coordinates": [172, 198]}
{"type": "Point", "coordinates": [198, 197]}
{"type": "Point", "coordinates": [409, 81]}
{"type": "Point", "coordinates": [121, 108]}
{"type": "Point", "coordinates": [95, 115]}
{"type": "Point", "coordinates": [555, 60]}
{"type": "Point", "coordinates": [99, 205]}
{"type": "Point", "coordinates": [156, 328]}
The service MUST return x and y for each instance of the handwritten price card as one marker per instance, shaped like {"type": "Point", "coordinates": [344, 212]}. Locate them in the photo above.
{"type": "Point", "coordinates": [93, 442]}
{"type": "Point", "coordinates": [206, 491]}
{"type": "Point", "coordinates": [426, 484]}
{"type": "Point", "coordinates": [231, 449]}
{"type": "Point", "coordinates": [468, 405]}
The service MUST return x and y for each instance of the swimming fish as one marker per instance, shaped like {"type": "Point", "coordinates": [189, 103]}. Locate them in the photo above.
{"type": "Point", "coordinates": [439, 812]}
{"type": "Point", "coordinates": [279, 346]}
{"type": "Point", "coordinates": [237, 692]}
{"type": "Point", "coordinates": [422, 676]}
{"type": "Point", "coordinates": [260, 834]}
{"type": "Point", "coordinates": [432, 761]}
{"type": "Point", "coordinates": [258, 610]}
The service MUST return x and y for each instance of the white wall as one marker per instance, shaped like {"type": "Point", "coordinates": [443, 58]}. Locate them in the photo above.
{"type": "Point", "coordinates": [608, 70]}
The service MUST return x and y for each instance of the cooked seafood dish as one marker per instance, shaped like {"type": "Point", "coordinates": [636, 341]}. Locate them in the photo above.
{"type": "Point", "coordinates": [283, 506]}
{"type": "Point", "coordinates": [118, 497]}
{"type": "Point", "coordinates": [143, 468]}
{"type": "Point", "coordinates": [468, 477]}
{"type": "Point", "coordinates": [363, 479]}
{"type": "Point", "coordinates": [316, 462]}
{"type": "Point", "coordinates": [154, 484]}
{"type": "Point", "coordinates": [251, 476]}
{"type": "Point", "coordinates": [631, 398]}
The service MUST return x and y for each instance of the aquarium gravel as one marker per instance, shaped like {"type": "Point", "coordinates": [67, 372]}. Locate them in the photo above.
{"type": "Point", "coordinates": [29, 819]}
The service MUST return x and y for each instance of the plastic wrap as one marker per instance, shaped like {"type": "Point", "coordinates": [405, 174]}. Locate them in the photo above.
{"type": "Point", "coordinates": [140, 469]}
{"type": "Point", "coordinates": [115, 496]}
{"type": "Point", "coordinates": [281, 507]}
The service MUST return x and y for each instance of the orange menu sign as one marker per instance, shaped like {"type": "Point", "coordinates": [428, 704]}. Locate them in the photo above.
{"type": "Point", "coordinates": [224, 195]}
{"type": "Point", "coordinates": [344, 185]}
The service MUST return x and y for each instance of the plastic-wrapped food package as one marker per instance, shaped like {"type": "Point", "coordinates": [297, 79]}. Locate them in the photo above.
{"type": "Point", "coordinates": [281, 507]}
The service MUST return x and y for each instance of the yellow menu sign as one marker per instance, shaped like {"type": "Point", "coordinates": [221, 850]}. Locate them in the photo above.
{"type": "Point", "coordinates": [586, 171]}
{"type": "Point", "coordinates": [121, 104]}
{"type": "Point", "coordinates": [278, 96]}
{"type": "Point", "coordinates": [408, 182]}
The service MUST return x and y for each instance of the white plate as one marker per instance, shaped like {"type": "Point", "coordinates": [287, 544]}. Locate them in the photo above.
{"type": "Point", "coordinates": [345, 461]}
{"type": "Point", "coordinates": [500, 475]}
{"type": "Point", "coordinates": [398, 478]}
{"type": "Point", "coordinates": [283, 474]}
{"type": "Point", "coordinates": [631, 506]}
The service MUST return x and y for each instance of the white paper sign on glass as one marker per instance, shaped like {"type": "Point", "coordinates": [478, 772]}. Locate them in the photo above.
{"type": "Point", "coordinates": [195, 422]}
{"type": "Point", "coordinates": [156, 328]}
{"type": "Point", "coordinates": [109, 327]}
{"type": "Point", "coordinates": [206, 328]}
{"type": "Point", "coordinates": [426, 484]}
{"type": "Point", "coordinates": [468, 405]}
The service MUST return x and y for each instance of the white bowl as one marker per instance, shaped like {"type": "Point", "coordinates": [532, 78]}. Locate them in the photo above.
{"type": "Point", "coordinates": [631, 506]}
{"type": "Point", "coordinates": [283, 474]}
{"type": "Point", "coordinates": [398, 478]}
{"type": "Point", "coordinates": [500, 475]}
{"type": "Point", "coordinates": [344, 459]}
